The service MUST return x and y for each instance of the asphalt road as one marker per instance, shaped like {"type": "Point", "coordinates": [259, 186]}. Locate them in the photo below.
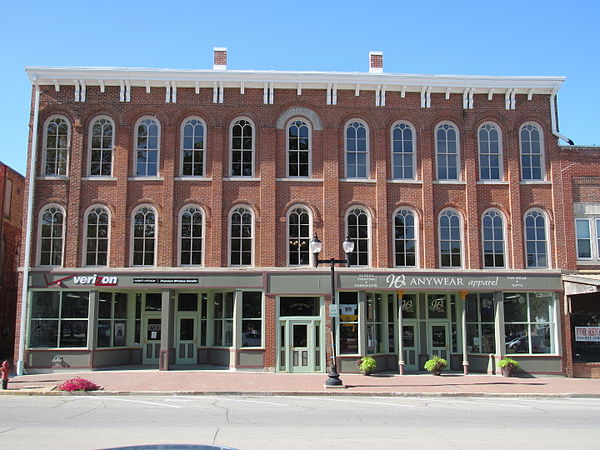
{"type": "Point", "coordinates": [249, 422]}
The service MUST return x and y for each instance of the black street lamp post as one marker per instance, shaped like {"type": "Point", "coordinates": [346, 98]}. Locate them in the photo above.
{"type": "Point", "coordinates": [316, 246]}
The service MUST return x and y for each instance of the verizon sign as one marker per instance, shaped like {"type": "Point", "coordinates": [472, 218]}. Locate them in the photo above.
{"type": "Point", "coordinates": [587, 334]}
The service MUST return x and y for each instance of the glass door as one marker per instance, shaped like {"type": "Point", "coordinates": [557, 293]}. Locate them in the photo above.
{"type": "Point", "coordinates": [151, 339]}
{"type": "Point", "coordinates": [438, 341]}
{"type": "Point", "coordinates": [409, 342]}
{"type": "Point", "coordinates": [300, 346]}
{"type": "Point", "coordinates": [187, 343]}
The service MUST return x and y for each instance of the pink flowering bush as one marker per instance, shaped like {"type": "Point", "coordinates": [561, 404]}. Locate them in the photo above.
{"type": "Point", "coordinates": [78, 384]}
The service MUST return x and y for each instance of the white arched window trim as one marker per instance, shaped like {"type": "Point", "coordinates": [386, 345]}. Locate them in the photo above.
{"type": "Point", "coordinates": [39, 234]}
{"type": "Point", "coordinates": [309, 237]}
{"type": "Point", "coordinates": [542, 153]}
{"type": "Point", "coordinates": [131, 237]}
{"type": "Point", "coordinates": [287, 146]}
{"type": "Point", "coordinates": [458, 153]}
{"type": "Point", "coordinates": [504, 237]}
{"type": "Point", "coordinates": [157, 149]}
{"type": "Point", "coordinates": [45, 145]}
{"type": "Point", "coordinates": [461, 225]}
{"type": "Point", "coordinates": [85, 236]}
{"type": "Point", "coordinates": [90, 141]}
{"type": "Point", "coordinates": [182, 149]}
{"type": "Point", "coordinates": [179, 236]}
{"type": "Point", "coordinates": [500, 151]}
{"type": "Point", "coordinates": [547, 235]}
{"type": "Point", "coordinates": [366, 211]}
{"type": "Point", "coordinates": [414, 149]}
{"type": "Point", "coordinates": [367, 149]}
{"type": "Point", "coordinates": [252, 150]}
{"type": "Point", "coordinates": [229, 237]}
{"type": "Point", "coordinates": [417, 234]}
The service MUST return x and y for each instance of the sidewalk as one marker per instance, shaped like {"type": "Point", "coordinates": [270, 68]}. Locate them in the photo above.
{"type": "Point", "coordinates": [223, 382]}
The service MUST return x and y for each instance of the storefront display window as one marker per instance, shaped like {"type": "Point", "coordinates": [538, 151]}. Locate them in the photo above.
{"type": "Point", "coordinates": [375, 307]}
{"type": "Point", "coordinates": [112, 319]}
{"type": "Point", "coordinates": [480, 323]}
{"type": "Point", "coordinates": [252, 319]}
{"type": "Point", "coordinates": [529, 322]}
{"type": "Point", "coordinates": [585, 327]}
{"type": "Point", "coordinates": [348, 303]}
{"type": "Point", "coordinates": [223, 319]}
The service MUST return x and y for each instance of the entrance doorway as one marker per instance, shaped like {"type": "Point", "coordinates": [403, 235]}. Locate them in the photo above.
{"type": "Point", "coordinates": [187, 344]}
{"type": "Point", "coordinates": [301, 346]}
{"type": "Point", "coordinates": [151, 340]}
{"type": "Point", "coordinates": [409, 342]}
{"type": "Point", "coordinates": [437, 340]}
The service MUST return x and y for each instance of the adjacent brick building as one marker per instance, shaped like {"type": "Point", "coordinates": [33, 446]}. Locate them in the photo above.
{"type": "Point", "coordinates": [174, 212]}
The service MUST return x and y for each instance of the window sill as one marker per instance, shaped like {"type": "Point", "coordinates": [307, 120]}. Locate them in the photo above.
{"type": "Point", "coordinates": [144, 178]}
{"type": "Point", "coordinates": [535, 182]}
{"type": "Point", "coordinates": [241, 179]}
{"type": "Point", "coordinates": [406, 181]}
{"type": "Point", "coordinates": [449, 182]}
{"type": "Point", "coordinates": [192, 178]}
{"type": "Point", "coordinates": [493, 182]}
{"type": "Point", "coordinates": [301, 179]}
{"type": "Point", "coordinates": [588, 262]}
{"type": "Point", "coordinates": [98, 178]}
{"type": "Point", "coordinates": [357, 180]}
{"type": "Point", "coordinates": [53, 177]}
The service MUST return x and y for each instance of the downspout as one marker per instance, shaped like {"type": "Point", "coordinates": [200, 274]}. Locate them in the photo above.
{"type": "Point", "coordinates": [28, 230]}
{"type": "Point", "coordinates": [554, 121]}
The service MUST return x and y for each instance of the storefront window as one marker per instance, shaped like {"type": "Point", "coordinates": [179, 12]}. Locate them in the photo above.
{"type": "Point", "coordinates": [223, 319]}
{"type": "Point", "coordinates": [437, 306]}
{"type": "Point", "coordinates": [348, 335]}
{"type": "Point", "coordinates": [480, 323]}
{"type": "Point", "coordinates": [585, 326]}
{"type": "Point", "coordinates": [112, 319]}
{"type": "Point", "coordinates": [252, 319]}
{"type": "Point", "coordinates": [529, 322]}
{"type": "Point", "coordinates": [375, 323]}
{"type": "Point", "coordinates": [299, 306]}
{"type": "Point", "coordinates": [59, 319]}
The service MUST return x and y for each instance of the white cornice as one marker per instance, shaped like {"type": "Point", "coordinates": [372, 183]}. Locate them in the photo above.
{"type": "Point", "coordinates": [144, 77]}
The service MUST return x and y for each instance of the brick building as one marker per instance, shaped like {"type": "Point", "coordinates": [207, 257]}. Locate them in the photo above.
{"type": "Point", "coordinates": [12, 186]}
{"type": "Point", "coordinates": [173, 214]}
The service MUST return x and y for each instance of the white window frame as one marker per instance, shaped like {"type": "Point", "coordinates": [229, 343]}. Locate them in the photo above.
{"type": "Point", "coordinates": [347, 126]}
{"type": "Point", "coordinates": [437, 153]}
{"type": "Point", "coordinates": [182, 149]}
{"type": "Point", "coordinates": [462, 238]}
{"type": "Point", "coordinates": [547, 240]}
{"type": "Point", "coordinates": [542, 153]}
{"type": "Point", "coordinates": [308, 238]}
{"type": "Point", "coordinates": [230, 239]}
{"type": "Point", "coordinates": [500, 152]}
{"type": "Point", "coordinates": [242, 150]}
{"type": "Point", "coordinates": [132, 236]}
{"type": "Point", "coordinates": [101, 150]}
{"type": "Point", "coordinates": [416, 230]}
{"type": "Point", "coordinates": [157, 150]}
{"type": "Point", "coordinates": [39, 235]}
{"type": "Point", "coordinates": [483, 240]}
{"type": "Point", "coordinates": [45, 147]}
{"type": "Point", "coordinates": [593, 224]}
{"type": "Point", "coordinates": [180, 237]}
{"type": "Point", "coordinates": [413, 154]}
{"type": "Point", "coordinates": [85, 235]}
{"type": "Point", "coordinates": [288, 150]}
{"type": "Point", "coordinates": [356, 240]}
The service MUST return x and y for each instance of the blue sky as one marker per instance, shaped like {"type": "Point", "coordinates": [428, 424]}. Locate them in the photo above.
{"type": "Point", "coordinates": [541, 38]}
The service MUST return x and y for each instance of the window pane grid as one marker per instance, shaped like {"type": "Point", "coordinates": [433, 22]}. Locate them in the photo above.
{"type": "Point", "coordinates": [147, 148]}
{"type": "Point", "coordinates": [493, 239]}
{"type": "Point", "coordinates": [356, 150]}
{"type": "Point", "coordinates": [51, 242]}
{"type": "Point", "coordinates": [531, 153]}
{"type": "Point", "coordinates": [191, 236]}
{"type": "Point", "coordinates": [101, 148]}
{"type": "Point", "coordinates": [193, 148]}
{"type": "Point", "coordinates": [403, 155]}
{"type": "Point", "coordinates": [405, 243]}
{"type": "Point", "coordinates": [450, 240]}
{"type": "Point", "coordinates": [358, 231]}
{"type": "Point", "coordinates": [447, 152]}
{"type": "Point", "coordinates": [241, 237]}
{"type": "Point", "coordinates": [144, 237]}
{"type": "Point", "coordinates": [57, 147]}
{"type": "Point", "coordinates": [298, 149]}
{"type": "Point", "coordinates": [242, 149]}
{"type": "Point", "coordinates": [489, 153]}
{"type": "Point", "coordinates": [535, 239]}
{"type": "Point", "coordinates": [299, 237]}
{"type": "Point", "coordinates": [97, 237]}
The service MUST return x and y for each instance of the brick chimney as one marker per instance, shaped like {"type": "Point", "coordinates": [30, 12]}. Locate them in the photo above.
{"type": "Point", "coordinates": [220, 58]}
{"type": "Point", "coordinates": [375, 62]}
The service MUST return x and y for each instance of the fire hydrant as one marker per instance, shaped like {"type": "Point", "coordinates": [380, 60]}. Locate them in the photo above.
{"type": "Point", "coordinates": [5, 369]}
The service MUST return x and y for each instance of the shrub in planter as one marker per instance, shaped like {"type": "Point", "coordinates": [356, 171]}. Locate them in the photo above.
{"type": "Point", "coordinates": [508, 366]}
{"type": "Point", "coordinates": [78, 384]}
{"type": "Point", "coordinates": [435, 365]}
{"type": "Point", "coordinates": [367, 365]}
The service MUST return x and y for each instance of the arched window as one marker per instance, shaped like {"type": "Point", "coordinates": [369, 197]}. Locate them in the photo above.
{"type": "Point", "coordinates": [52, 232]}
{"type": "Point", "coordinates": [450, 239]}
{"type": "Point", "coordinates": [298, 236]}
{"type": "Point", "coordinates": [192, 148]}
{"type": "Point", "coordinates": [536, 242]}
{"type": "Point", "coordinates": [147, 145]}
{"type": "Point", "coordinates": [144, 237]}
{"type": "Point", "coordinates": [242, 149]}
{"type": "Point", "coordinates": [405, 239]}
{"type": "Point", "coordinates": [96, 236]}
{"type": "Point", "coordinates": [403, 152]}
{"type": "Point", "coordinates": [357, 228]}
{"type": "Point", "coordinates": [192, 235]}
{"type": "Point", "coordinates": [241, 235]}
{"type": "Point", "coordinates": [532, 154]}
{"type": "Point", "coordinates": [490, 152]}
{"type": "Point", "coordinates": [56, 146]}
{"type": "Point", "coordinates": [298, 149]}
{"type": "Point", "coordinates": [493, 239]}
{"type": "Point", "coordinates": [447, 152]}
{"type": "Point", "coordinates": [101, 144]}
{"type": "Point", "coordinates": [357, 153]}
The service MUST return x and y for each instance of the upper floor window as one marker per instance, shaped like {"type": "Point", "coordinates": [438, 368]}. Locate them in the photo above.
{"type": "Point", "coordinates": [357, 154]}
{"type": "Point", "coordinates": [405, 239]}
{"type": "Point", "coordinates": [447, 152]}
{"type": "Point", "coordinates": [298, 237]}
{"type": "Point", "coordinates": [52, 232]}
{"type": "Point", "coordinates": [298, 149]}
{"type": "Point", "coordinates": [191, 235]}
{"type": "Point", "coordinates": [101, 144]}
{"type": "Point", "coordinates": [490, 152]}
{"type": "Point", "coordinates": [242, 149]}
{"type": "Point", "coordinates": [96, 236]}
{"type": "Point", "coordinates": [536, 243]}
{"type": "Point", "coordinates": [241, 237]}
{"type": "Point", "coordinates": [56, 146]}
{"type": "Point", "coordinates": [493, 239]}
{"type": "Point", "coordinates": [357, 229]}
{"type": "Point", "coordinates": [147, 145]}
{"type": "Point", "coordinates": [450, 239]}
{"type": "Point", "coordinates": [532, 154]}
{"type": "Point", "coordinates": [403, 152]}
{"type": "Point", "coordinates": [192, 147]}
{"type": "Point", "coordinates": [144, 237]}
